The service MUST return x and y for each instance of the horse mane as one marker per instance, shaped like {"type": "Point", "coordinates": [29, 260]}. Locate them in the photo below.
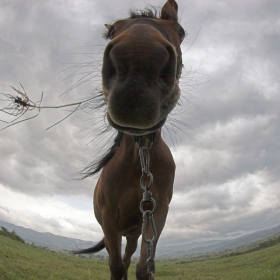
{"type": "Point", "coordinates": [98, 164]}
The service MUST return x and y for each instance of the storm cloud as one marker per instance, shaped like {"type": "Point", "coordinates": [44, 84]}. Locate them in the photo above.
{"type": "Point", "coordinates": [224, 135]}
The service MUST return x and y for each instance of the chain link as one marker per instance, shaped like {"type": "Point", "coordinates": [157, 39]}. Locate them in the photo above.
{"type": "Point", "coordinates": [147, 214]}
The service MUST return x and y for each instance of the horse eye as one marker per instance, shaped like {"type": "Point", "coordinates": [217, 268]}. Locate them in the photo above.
{"type": "Point", "coordinates": [111, 32]}
{"type": "Point", "coordinates": [182, 34]}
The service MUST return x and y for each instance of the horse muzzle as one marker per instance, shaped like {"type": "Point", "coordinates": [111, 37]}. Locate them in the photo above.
{"type": "Point", "coordinates": [139, 79]}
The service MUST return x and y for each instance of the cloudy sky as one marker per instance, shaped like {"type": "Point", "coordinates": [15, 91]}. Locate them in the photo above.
{"type": "Point", "coordinates": [225, 138]}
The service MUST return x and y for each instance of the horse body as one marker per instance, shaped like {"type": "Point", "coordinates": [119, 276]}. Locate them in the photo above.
{"type": "Point", "coordinates": [140, 82]}
{"type": "Point", "coordinates": [117, 197]}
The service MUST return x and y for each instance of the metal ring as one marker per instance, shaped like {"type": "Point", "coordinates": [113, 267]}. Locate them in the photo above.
{"type": "Point", "coordinates": [148, 212]}
{"type": "Point", "coordinates": [148, 175]}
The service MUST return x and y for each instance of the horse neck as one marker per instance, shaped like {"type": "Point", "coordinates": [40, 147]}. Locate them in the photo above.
{"type": "Point", "coordinates": [130, 150]}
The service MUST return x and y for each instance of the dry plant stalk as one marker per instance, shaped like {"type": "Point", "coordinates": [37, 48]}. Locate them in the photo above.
{"type": "Point", "coordinates": [20, 104]}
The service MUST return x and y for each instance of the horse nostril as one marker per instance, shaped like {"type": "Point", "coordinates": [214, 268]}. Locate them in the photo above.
{"type": "Point", "coordinates": [168, 73]}
{"type": "Point", "coordinates": [108, 67]}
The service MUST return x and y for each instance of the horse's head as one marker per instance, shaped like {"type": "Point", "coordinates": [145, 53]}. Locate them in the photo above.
{"type": "Point", "coordinates": [141, 70]}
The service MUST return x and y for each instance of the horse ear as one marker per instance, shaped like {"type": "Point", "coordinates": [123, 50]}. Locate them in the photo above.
{"type": "Point", "coordinates": [169, 11]}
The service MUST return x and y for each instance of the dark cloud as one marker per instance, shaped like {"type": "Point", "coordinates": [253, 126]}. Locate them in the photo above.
{"type": "Point", "coordinates": [225, 135]}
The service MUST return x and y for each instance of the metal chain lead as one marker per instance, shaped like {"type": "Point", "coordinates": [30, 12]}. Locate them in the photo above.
{"type": "Point", "coordinates": [147, 214]}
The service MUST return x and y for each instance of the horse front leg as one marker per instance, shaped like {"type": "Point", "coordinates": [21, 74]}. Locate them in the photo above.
{"type": "Point", "coordinates": [113, 246]}
{"type": "Point", "coordinates": [130, 248]}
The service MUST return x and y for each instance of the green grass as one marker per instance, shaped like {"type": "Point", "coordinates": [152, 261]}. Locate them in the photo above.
{"type": "Point", "coordinates": [21, 261]}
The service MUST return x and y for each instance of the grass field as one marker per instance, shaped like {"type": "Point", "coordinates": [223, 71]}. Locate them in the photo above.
{"type": "Point", "coordinates": [21, 261]}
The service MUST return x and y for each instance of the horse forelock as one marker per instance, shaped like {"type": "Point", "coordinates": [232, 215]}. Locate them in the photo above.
{"type": "Point", "coordinates": [148, 12]}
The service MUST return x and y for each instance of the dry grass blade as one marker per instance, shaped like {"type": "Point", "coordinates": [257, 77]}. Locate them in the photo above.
{"type": "Point", "coordinates": [19, 104]}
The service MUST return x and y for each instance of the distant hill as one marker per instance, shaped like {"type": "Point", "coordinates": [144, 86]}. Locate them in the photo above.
{"type": "Point", "coordinates": [182, 249]}
{"type": "Point", "coordinates": [218, 245]}
{"type": "Point", "coordinates": [47, 239]}
{"type": "Point", "coordinates": [57, 242]}
{"type": "Point", "coordinates": [237, 242]}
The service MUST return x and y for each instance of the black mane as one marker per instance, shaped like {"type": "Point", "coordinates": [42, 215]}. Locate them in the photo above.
{"type": "Point", "coordinates": [98, 164]}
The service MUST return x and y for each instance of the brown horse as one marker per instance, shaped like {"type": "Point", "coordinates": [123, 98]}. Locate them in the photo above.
{"type": "Point", "coordinates": [140, 77]}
